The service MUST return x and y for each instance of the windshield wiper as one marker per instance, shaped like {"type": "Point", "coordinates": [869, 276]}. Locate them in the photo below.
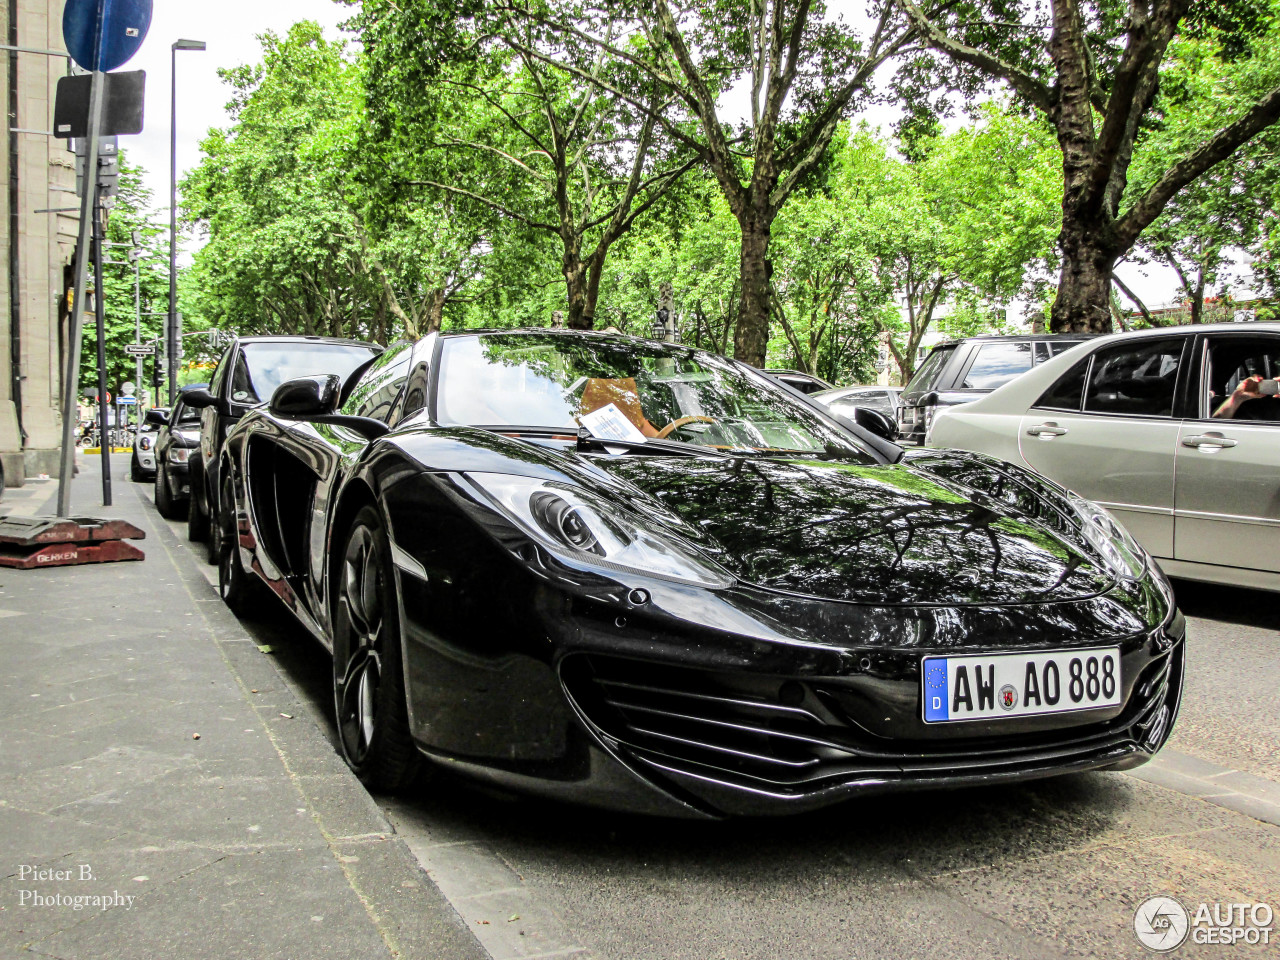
{"type": "Point", "coordinates": [588, 441]}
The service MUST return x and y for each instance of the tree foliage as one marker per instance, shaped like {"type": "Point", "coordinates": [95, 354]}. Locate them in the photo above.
{"type": "Point", "coordinates": [1093, 69]}
{"type": "Point", "coordinates": [123, 298]}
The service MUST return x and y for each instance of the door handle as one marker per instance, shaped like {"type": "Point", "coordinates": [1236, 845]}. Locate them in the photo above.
{"type": "Point", "coordinates": [1215, 441]}
{"type": "Point", "coordinates": [1048, 430]}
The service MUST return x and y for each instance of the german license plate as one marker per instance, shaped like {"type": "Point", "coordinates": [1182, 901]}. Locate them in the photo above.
{"type": "Point", "coordinates": [1019, 684]}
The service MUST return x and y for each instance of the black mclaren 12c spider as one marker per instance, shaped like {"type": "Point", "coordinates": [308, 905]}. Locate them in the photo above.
{"type": "Point", "coordinates": [642, 576]}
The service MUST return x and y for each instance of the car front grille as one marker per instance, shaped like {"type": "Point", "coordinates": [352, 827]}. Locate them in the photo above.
{"type": "Point", "coordinates": [792, 737]}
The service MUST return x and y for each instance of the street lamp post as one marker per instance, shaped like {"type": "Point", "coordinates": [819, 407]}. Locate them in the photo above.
{"type": "Point", "coordinates": [171, 327]}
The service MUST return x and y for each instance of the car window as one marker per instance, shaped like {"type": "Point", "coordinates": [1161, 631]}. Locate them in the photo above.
{"type": "Point", "coordinates": [1068, 392]}
{"type": "Point", "coordinates": [220, 373]}
{"type": "Point", "coordinates": [375, 394]}
{"type": "Point", "coordinates": [241, 384]}
{"type": "Point", "coordinates": [1235, 374]}
{"type": "Point", "coordinates": [997, 364]}
{"type": "Point", "coordinates": [927, 376]}
{"type": "Point", "coordinates": [1135, 378]}
{"type": "Point", "coordinates": [264, 365]}
{"type": "Point", "coordinates": [186, 416]}
{"type": "Point", "coordinates": [663, 392]}
{"type": "Point", "coordinates": [1048, 349]}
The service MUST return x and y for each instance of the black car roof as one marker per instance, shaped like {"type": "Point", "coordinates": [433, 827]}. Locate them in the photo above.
{"type": "Point", "coordinates": [285, 338]}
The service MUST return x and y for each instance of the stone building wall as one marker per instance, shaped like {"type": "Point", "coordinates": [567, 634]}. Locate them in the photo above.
{"type": "Point", "coordinates": [36, 247]}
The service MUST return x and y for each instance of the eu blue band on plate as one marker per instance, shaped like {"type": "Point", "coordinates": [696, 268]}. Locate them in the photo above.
{"type": "Point", "coordinates": [936, 698]}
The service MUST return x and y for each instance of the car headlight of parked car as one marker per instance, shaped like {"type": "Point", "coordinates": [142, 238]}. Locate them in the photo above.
{"type": "Point", "coordinates": [582, 527]}
{"type": "Point", "coordinates": [144, 443]}
{"type": "Point", "coordinates": [1105, 534]}
{"type": "Point", "coordinates": [179, 454]}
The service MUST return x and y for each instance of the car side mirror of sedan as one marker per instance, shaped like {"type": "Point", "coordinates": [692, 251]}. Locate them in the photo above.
{"type": "Point", "coordinates": [199, 399]}
{"type": "Point", "coordinates": [876, 422]}
{"type": "Point", "coordinates": [157, 417]}
{"type": "Point", "coordinates": [315, 400]}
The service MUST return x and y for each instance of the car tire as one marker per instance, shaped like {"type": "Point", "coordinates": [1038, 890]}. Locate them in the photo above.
{"type": "Point", "coordinates": [368, 667]}
{"type": "Point", "coordinates": [136, 473]}
{"type": "Point", "coordinates": [218, 540]}
{"type": "Point", "coordinates": [239, 590]}
{"type": "Point", "coordinates": [198, 521]}
{"type": "Point", "coordinates": [165, 502]}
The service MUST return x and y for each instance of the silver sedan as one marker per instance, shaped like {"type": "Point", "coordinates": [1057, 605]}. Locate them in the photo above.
{"type": "Point", "coordinates": [1175, 430]}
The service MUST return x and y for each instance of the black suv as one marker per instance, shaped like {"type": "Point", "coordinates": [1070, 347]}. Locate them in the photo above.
{"type": "Point", "coordinates": [246, 376]}
{"type": "Point", "coordinates": [964, 370]}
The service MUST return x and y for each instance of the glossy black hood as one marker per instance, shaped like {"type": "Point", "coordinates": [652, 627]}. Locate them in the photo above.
{"type": "Point", "coordinates": [896, 534]}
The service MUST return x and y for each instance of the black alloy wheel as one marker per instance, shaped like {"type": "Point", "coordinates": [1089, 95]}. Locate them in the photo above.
{"type": "Point", "coordinates": [217, 541]}
{"type": "Point", "coordinates": [236, 586]}
{"type": "Point", "coordinates": [197, 519]}
{"type": "Point", "coordinates": [165, 501]}
{"type": "Point", "coordinates": [368, 669]}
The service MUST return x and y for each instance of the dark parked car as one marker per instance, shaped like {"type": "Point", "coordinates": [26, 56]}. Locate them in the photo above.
{"type": "Point", "coordinates": [246, 375]}
{"type": "Point", "coordinates": [804, 382]}
{"type": "Point", "coordinates": [177, 440]}
{"type": "Point", "coordinates": [964, 370]}
{"type": "Point", "coordinates": [643, 576]}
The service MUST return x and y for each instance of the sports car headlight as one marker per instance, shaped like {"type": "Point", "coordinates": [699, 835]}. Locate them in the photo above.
{"type": "Point", "coordinates": [579, 525]}
{"type": "Point", "coordinates": [1105, 534]}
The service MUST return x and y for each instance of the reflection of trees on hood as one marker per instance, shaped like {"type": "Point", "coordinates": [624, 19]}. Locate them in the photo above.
{"type": "Point", "coordinates": [845, 531]}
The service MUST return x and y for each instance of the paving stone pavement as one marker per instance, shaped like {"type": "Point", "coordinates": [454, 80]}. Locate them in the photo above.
{"type": "Point", "coordinates": [162, 790]}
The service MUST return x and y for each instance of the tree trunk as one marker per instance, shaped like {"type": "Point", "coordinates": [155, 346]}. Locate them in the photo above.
{"type": "Point", "coordinates": [1084, 285]}
{"type": "Point", "coordinates": [435, 310]}
{"type": "Point", "coordinates": [575, 281]}
{"type": "Point", "coordinates": [751, 339]}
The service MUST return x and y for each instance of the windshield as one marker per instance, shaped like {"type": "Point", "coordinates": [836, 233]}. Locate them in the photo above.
{"type": "Point", "coordinates": [929, 371]}
{"type": "Point", "coordinates": [264, 365]}
{"type": "Point", "coordinates": [666, 393]}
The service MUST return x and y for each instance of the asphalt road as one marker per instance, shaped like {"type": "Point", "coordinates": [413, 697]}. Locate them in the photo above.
{"type": "Point", "coordinates": [1048, 869]}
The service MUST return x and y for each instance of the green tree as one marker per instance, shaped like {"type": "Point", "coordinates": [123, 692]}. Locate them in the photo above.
{"type": "Point", "coordinates": [289, 248]}
{"type": "Point", "coordinates": [1093, 69]}
{"type": "Point", "coordinates": [803, 68]}
{"type": "Point", "coordinates": [483, 111]}
{"type": "Point", "coordinates": [966, 226]}
{"type": "Point", "coordinates": [1228, 208]}
{"type": "Point", "coordinates": [132, 211]}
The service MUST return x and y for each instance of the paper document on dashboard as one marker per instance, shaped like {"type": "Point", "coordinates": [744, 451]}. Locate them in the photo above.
{"type": "Point", "coordinates": [610, 423]}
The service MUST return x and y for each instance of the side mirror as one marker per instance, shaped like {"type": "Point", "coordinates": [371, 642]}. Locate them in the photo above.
{"type": "Point", "coordinates": [306, 398]}
{"type": "Point", "coordinates": [199, 399]}
{"type": "Point", "coordinates": [315, 400]}
{"type": "Point", "coordinates": [157, 417]}
{"type": "Point", "coordinates": [876, 422]}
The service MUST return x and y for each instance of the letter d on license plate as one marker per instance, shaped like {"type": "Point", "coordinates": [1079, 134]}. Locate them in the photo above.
{"type": "Point", "coordinates": [1018, 685]}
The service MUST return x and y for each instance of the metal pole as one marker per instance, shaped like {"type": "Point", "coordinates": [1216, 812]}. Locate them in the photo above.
{"type": "Point", "coordinates": [137, 328]}
{"type": "Point", "coordinates": [171, 328]}
{"type": "Point", "coordinates": [75, 323]}
{"type": "Point", "coordinates": [99, 310]}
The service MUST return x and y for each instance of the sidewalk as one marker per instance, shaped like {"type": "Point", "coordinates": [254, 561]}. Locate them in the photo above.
{"type": "Point", "coordinates": [164, 792]}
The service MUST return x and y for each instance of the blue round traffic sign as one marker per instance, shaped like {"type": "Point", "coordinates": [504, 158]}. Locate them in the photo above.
{"type": "Point", "coordinates": [105, 34]}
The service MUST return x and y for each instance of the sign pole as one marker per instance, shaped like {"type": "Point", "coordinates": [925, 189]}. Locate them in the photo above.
{"type": "Point", "coordinates": [137, 322]}
{"type": "Point", "coordinates": [99, 311]}
{"type": "Point", "coordinates": [75, 324]}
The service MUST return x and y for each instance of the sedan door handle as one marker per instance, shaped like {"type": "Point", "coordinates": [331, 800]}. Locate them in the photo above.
{"type": "Point", "coordinates": [1047, 430]}
{"type": "Point", "coordinates": [1216, 441]}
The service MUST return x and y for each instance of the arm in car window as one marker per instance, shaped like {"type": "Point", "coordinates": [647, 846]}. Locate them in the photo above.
{"type": "Point", "coordinates": [1247, 389]}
